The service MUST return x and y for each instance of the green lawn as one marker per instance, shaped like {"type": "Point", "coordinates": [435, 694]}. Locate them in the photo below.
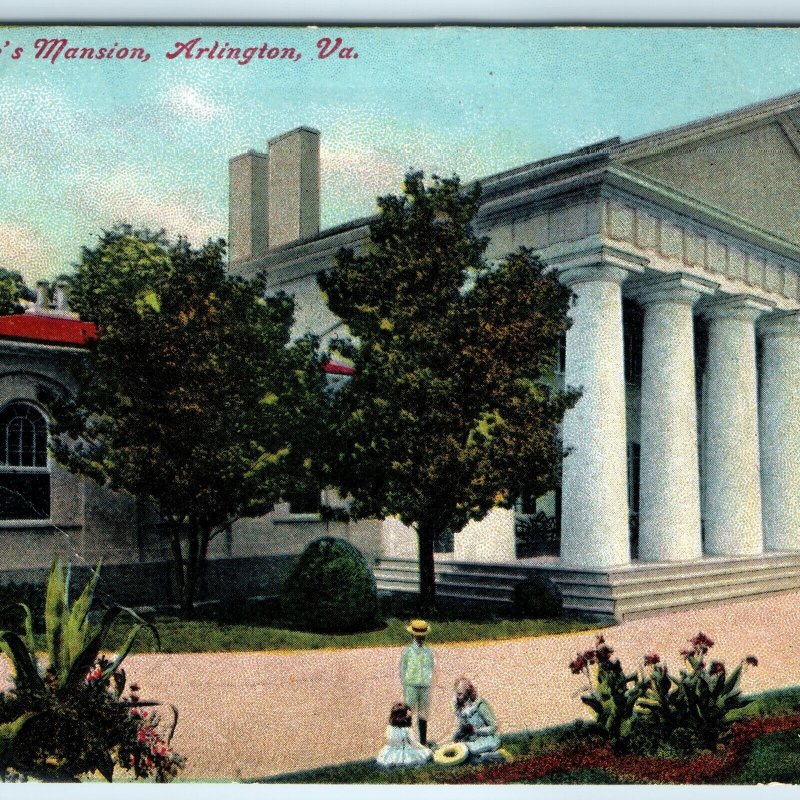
{"type": "Point", "coordinates": [774, 757]}
{"type": "Point", "coordinates": [220, 632]}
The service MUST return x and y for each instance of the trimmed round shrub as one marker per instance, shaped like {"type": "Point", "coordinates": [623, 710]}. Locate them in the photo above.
{"type": "Point", "coordinates": [537, 598]}
{"type": "Point", "coordinates": [331, 589]}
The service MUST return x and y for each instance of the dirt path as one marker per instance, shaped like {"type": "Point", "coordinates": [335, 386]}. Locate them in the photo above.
{"type": "Point", "coordinates": [258, 714]}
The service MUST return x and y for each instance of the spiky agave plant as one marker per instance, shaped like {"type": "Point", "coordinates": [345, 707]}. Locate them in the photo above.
{"type": "Point", "coordinates": [74, 689]}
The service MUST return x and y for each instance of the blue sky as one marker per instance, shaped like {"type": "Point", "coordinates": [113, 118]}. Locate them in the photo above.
{"type": "Point", "coordinates": [86, 144]}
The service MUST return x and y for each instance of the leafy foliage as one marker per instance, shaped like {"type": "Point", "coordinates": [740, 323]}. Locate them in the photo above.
{"type": "Point", "coordinates": [331, 589]}
{"type": "Point", "coordinates": [698, 702]}
{"type": "Point", "coordinates": [193, 398]}
{"type": "Point", "coordinates": [71, 718]}
{"type": "Point", "coordinates": [452, 408]}
{"type": "Point", "coordinates": [32, 595]}
{"type": "Point", "coordinates": [538, 598]}
{"type": "Point", "coordinates": [12, 290]}
{"type": "Point", "coordinates": [653, 712]}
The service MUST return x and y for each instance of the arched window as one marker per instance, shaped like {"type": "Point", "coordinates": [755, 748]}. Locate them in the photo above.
{"type": "Point", "coordinates": [24, 474]}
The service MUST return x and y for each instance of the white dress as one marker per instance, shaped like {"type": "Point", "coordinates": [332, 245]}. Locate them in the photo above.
{"type": "Point", "coordinates": [403, 749]}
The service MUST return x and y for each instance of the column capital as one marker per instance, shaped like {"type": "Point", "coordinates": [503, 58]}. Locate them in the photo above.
{"type": "Point", "coordinates": [676, 287]}
{"type": "Point", "coordinates": [592, 259]}
{"type": "Point", "coordinates": [746, 307]}
{"type": "Point", "coordinates": [780, 323]}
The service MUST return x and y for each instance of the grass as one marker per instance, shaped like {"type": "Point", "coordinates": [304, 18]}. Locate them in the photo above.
{"type": "Point", "coordinates": [773, 757]}
{"type": "Point", "coordinates": [258, 626]}
{"type": "Point", "coordinates": [518, 745]}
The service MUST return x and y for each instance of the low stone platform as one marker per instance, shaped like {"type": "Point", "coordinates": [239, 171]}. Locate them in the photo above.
{"type": "Point", "coordinates": [620, 593]}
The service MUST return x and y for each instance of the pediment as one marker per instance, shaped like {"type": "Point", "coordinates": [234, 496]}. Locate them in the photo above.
{"type": "Point", "coordinates": [751, 172]}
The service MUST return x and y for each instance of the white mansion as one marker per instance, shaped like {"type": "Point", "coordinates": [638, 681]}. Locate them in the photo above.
{"type": "Point", "coordinates": [682, 482]}
{"type": "Point", "coordinates": [683, 251]}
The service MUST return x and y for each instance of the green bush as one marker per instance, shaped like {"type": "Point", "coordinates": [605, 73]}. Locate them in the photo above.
{"type": "Point", "coordinates": [331, 589]}
{"type": "Point", "coordinates": [537, 598]}
{"type": "Point", "coordinates": [68, 716]}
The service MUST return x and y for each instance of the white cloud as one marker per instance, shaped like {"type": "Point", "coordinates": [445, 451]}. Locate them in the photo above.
{"type": "Point", "coordinates": [184, 100]}
{"type": "Point", "coordinates": [132, 197]}
{"type": "Point", "coordinates": [24, 248]}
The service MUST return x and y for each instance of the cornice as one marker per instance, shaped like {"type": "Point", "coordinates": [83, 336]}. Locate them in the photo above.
{"type": "Point", "coordinates": [635, 184]}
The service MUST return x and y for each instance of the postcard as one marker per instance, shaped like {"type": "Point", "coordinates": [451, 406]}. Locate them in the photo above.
{"type": "Point", "coordinates": [399, 404]}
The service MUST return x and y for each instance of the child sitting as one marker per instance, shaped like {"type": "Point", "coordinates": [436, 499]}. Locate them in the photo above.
{"type": "Point", "coordinates": [402, 749]}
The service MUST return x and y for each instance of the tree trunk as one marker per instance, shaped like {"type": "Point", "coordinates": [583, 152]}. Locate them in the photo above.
{"type": "Point", "coordinates": [202, 556]}
{"type": "Point", "coordinates": [177, 559]}
{"type": "Point", "coordinates": [190, 586]}
{"type": "Point", "coordinates": [427, 578]}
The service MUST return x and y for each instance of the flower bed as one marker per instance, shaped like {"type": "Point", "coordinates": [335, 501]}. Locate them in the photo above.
{"type": "Point", "coordinates": [707, 767]}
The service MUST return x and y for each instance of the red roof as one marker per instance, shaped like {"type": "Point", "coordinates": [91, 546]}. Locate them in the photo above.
{"type": "Point", "coordinates": [48, 328]}
{"type": "Point", "coordinates": [332, 368]}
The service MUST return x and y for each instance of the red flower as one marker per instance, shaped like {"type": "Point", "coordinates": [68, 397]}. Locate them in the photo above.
{"type": "Point", "coordinates": [717, 668]}
{"type": "Point", "coordinates": [687, 653]}
{"type": "Point", "coordinates": [599, 640]}
{"type": "Point", "coordinates": [578, 665]}
{"type": "Point", "coordinates": [701, 642]}
{"type": "Point", "coordinates": [651, 659]}
{"type": "Point", "coordinates": [752, 660]}
{"type": "Point", "coordinates": [604, 653]}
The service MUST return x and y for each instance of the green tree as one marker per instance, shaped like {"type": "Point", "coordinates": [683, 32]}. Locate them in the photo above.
{"type": "Point", "coordinates": [193, 398]}
{"type": "Point", "coordinates": [12, 289]}
{"type": "Point", "coordinates": [452, 409]}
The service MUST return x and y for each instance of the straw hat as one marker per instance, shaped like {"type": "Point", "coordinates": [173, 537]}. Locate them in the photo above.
{"type": "Point", "coordinates": [418, 627]}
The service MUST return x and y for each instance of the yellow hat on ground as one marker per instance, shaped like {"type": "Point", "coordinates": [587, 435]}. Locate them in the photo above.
{"type": "Point", "coordinates": [418, 627]}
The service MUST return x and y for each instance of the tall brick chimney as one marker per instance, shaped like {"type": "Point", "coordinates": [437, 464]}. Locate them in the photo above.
{"type": "Point", "coordinates": [274, 196]}
{"type": "Point", "coordinates": [248, 197]}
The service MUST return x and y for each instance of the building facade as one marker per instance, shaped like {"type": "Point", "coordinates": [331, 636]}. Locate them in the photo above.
{"type": "Point", "coordinates": [682, 249]}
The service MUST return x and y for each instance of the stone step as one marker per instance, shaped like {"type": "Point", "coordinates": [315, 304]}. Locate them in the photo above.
{"type": "Point", "coordinates": [619, 593]}
{"type": "Point", "coordinates": [509, 571]}
{"type": "Point", "coordinates": [708, 594]}
{"type": "Point", "coordinates": [691, 569]}
{"type": "Point", "coordinates": [668, 587]}
{"type": "Point", "coordinates": [444, 591]}
{"type": "Point", "coordinates": [471, 579]}
{"type": "Point", "coordinates": [412, 581]}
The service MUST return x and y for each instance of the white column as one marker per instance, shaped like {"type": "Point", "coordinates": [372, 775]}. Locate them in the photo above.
{"type": "Point", "coordinates": [779, 412]}
{"type": "Point", "coordinates": [669, 493]}
{"type": "Point", "coordinates": [594, 520]}
{"type": "Point", "coordinates": [732, 500]}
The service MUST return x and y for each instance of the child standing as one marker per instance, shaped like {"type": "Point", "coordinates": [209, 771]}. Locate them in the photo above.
{"type": "Point", "coordinates": [416, 672]}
